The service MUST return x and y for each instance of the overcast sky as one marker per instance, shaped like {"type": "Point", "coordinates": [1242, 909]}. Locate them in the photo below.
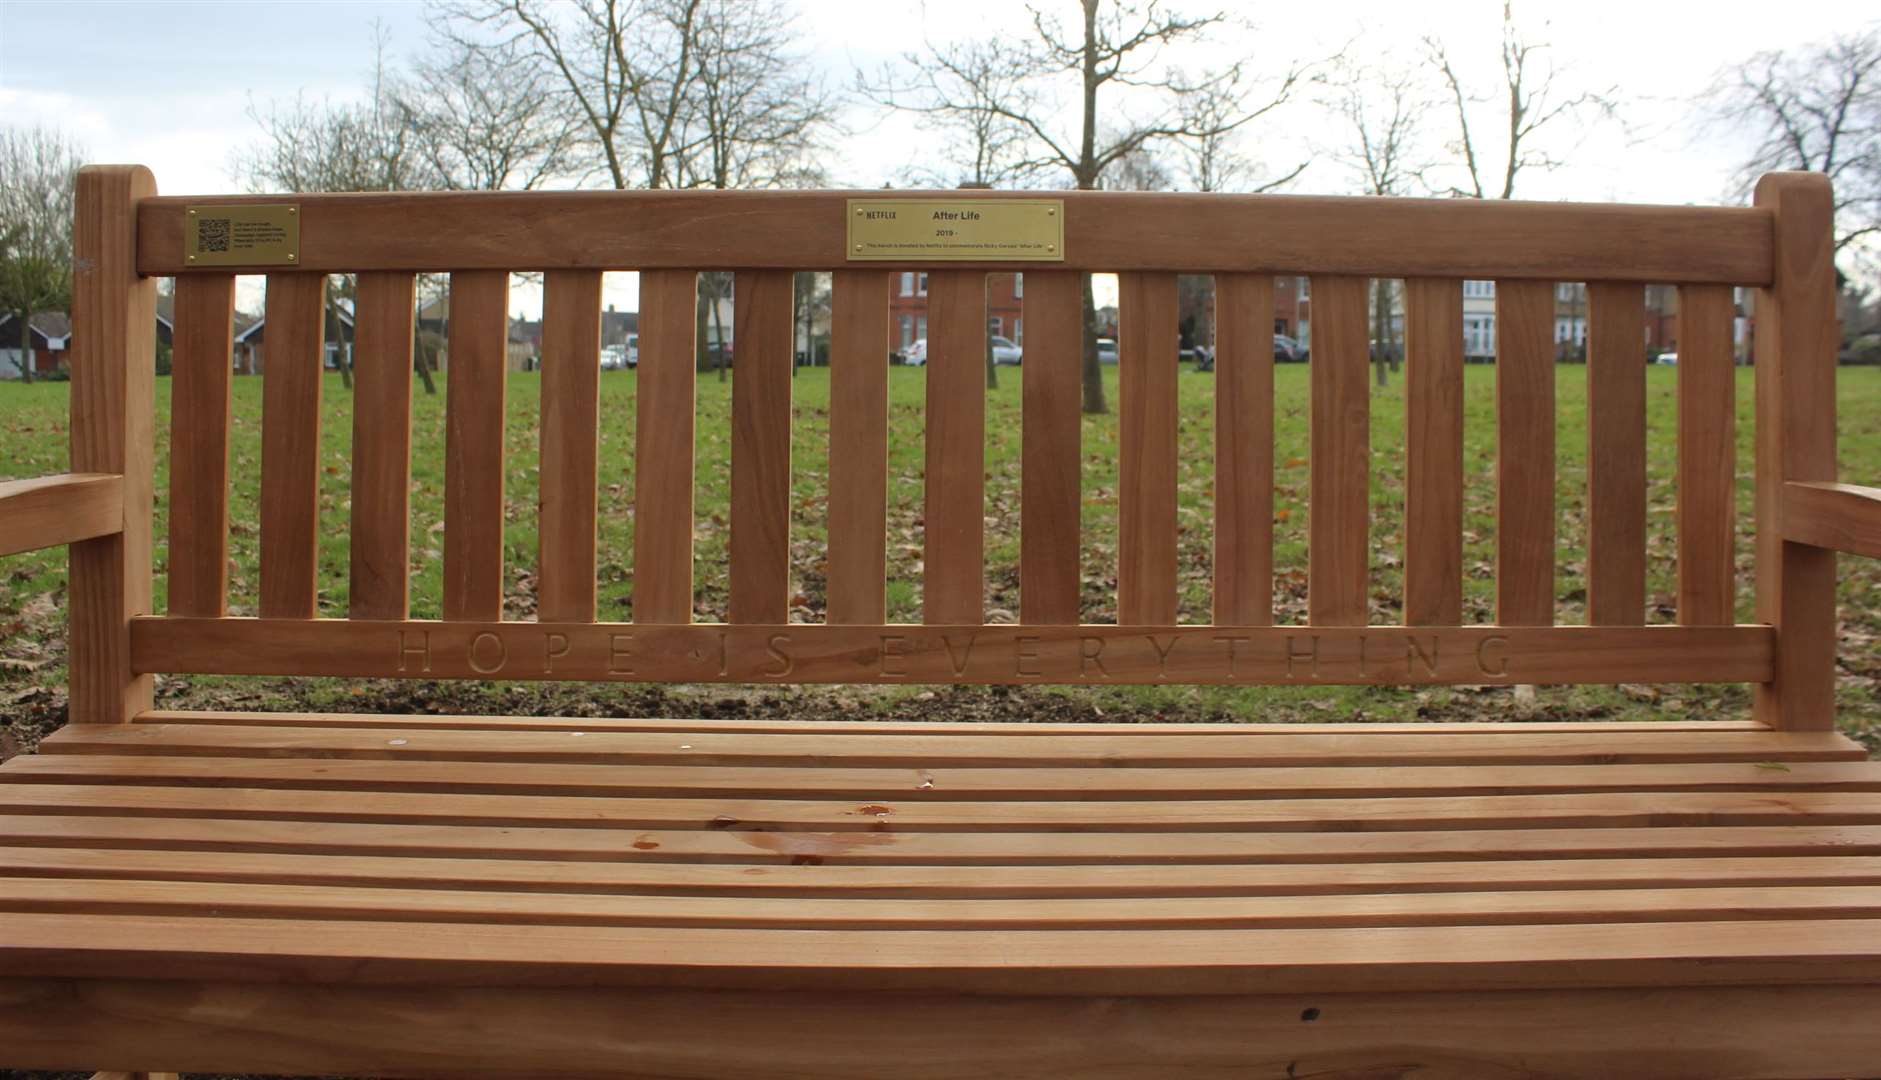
{"type": "Point", "coordinates": [169, 84]}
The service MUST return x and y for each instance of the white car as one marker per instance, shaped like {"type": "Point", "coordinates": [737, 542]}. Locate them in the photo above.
{"type": "Point", "coordinates": [633, 350]}
{"type": "Point", "coordinates": [613, 358]}
{"type": "Point", "coordinates": [1669, 359]}
{"type": "Point", "coordinates": [915, 355]}
{"type": "Point", "coordinates": [1005, 352]}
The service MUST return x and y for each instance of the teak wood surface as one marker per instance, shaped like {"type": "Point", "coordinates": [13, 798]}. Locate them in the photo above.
{"type": "Point", "coordinates": [434, 895]}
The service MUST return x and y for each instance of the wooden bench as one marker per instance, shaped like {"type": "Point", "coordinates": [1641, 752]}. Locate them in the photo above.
{"type": "Point", "coordinates": [425, 895]}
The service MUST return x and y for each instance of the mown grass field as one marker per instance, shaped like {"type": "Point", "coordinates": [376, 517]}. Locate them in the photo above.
{"type": "Point", "coordinates": [32, 442]}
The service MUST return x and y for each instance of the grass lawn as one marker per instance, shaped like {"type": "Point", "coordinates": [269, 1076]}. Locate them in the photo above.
{"type": "Point", "coordinates": [33, 442]}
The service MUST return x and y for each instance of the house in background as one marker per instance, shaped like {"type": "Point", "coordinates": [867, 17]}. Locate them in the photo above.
{"type": "Point", "coordinates": [251, 341]}
{"type": "Point", "coordinates": [50, 337]}
{"type": "Point", "coordinates": [907, 308]}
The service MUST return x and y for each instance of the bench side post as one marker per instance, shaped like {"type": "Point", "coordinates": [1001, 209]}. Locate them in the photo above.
{"type": "Point", "coordinates": [1795, 358]}
{"type": "Point", "coordinates": [112, 431]}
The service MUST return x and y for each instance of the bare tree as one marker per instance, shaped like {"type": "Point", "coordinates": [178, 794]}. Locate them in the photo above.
{"type": "Point", "coordinates": [623, 71]}
{"type": "Point", "coordinates": [1817, 109]}
{"type": "Point", "coordinates": [38, 168]}
{"type": "Point", "coordinates": [1030, 84]}
{"type": "Point", "coordinates": [481, 118]}
{"type": "Point", "coordinates": [984, 147]}
{"type": "Point", "coordinates": [1381, 108]}
{"type": "Point", "coordinates": [1534, 101]}
{"type": "Point", "coordinates": [1214, 108]}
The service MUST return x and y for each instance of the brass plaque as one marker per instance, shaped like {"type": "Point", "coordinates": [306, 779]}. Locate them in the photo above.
{"type": "Point", "coordinates": [248, 234]}
{"type": "Point", "coordinates": [966, 230]}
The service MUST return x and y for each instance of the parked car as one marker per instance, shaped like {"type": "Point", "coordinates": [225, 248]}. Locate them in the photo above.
{"type": "Point", "coordinates": [915, 355]}
{"type": "Point", "coordinates": [1669, 359]}
{"type": "Point", "coordinates": [613, 358]}
{"type": "Point", "coordinates": [1005, 352]}
{"type": "Point", "coordinates": [633, 350]}
{"type": "Point", "coordinates": [1288, 350]}
{"type": "Point", "coordinates": [1106, 350]}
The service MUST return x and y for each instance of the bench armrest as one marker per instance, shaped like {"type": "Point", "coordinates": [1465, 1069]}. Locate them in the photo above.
{"type": "Point", "coordinates": [51, 510]}
{"type": "Point", "coordinates": [1840, 517]}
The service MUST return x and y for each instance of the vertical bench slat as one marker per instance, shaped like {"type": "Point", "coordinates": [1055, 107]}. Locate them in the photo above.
{"type": "Point", "coordinates": [382, 371]}
{"type": "Point", "coordinates": [1244, 450]}
{"type": "Point", "coordinates": [1616, 454]}
{"type": "Point", "coordinates": [473, 446]}
{"type": "Point", "coordinates": [953, 549]}
{"type": "Point", "coordinates": [1050, 544]}
{"type": "Point", "coordinates": [1525, 427]}
{"type": "Point", "coordinates": [199, 444]}
{"type": "Point", "coordinates": [760, 448]}
{"type": "Point", "coordinates": [663, 426]}
{"type": "Point", "coordinates": [1433, 477]}
{"type": "Point", "coordinates": [1146, 467]}
{"type": "Point", "coordinates": [571, 394]}
{"type": "Point", "coordinates": [290, 444]}
{"type": "Point", "coordinates": [858, 447]}
{"type": "Point", "coordinates": [1339, 534]}
{"type": "Point", "coordinates": [1707, 469]}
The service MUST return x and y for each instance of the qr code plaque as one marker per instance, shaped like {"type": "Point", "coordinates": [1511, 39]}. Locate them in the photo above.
{"type": "Point", "coordinates": [242, 234]}
{"type": "Point", "coordinates": [212, 234]}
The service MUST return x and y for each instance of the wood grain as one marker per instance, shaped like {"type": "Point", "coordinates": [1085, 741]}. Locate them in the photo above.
{"type": "Point", "coordinates": [1193, 233]}
{"type": "Point", "coordinates": [1707, 468]}
{"type": "Point", "coordinates": [201, 345]}
{"type": "Point", "coordinates": [1146, 453]}
{"type": "Point", "coordinates": [382, 376]}
{"type": "Point", "coordinates": [664, 410]}
{"type": "Point", "coordinates": [474, 396]}
{"type": "Point", "coordinates": [1091, 655]}
{"type": "Point", "coordinates": [1244, 450]}
{"type": "Point", "coordinates": [1616, 454]}
{"type": "Point", "coordinates": [1433, 476]}
{"type": "Point", "coordinates": [1838, 517]}
{"type": "Point", "coordinates": [1050, 497]}
{"type": "Point", "coordinates": [954, 532]}
{"type": "Point", "coordinates": [760, 448]}
{"type": "Point", "coordinates": [571, 403]}
{"type": "Point", "coordinates": [1525, 434]}
{"type": "Point", "coordinates": [113, 431]}
{"type": "Point", "coordinates": [858, 447]}
{"type": "Point", "coordinates": [1794, 1032]}
{"type": "Point", "coordinates": [292, 372]}
{"type": "Point", "coordinates": [1339, 541]}
{"type": "Point", "coordinates": [63, 509]}
{"type": "Point", "coordinates": [1796, 343]}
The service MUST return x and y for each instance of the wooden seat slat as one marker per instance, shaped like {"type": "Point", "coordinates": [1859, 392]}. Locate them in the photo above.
{"type": "Point", "coordinates": [202, 342]}
{"type": "Point", "coordinates": [663, 432]}
{"type": "Point", "coordinates": [1707, 463]}
{"type": "Point", "coordinates": [290, 444]}
{"type": "Point", "coordinates": [1077, 962]}
{"type": "Point", "coordinates": [889, 817]}
{"type": "Point", "coordinates": [381, 518]}
{"type": "Point", "coordinates": [643, 877]}
{"type": "Point", "coordinates": [929, 751]}
{"type": "Point", "coordinates": [1147, 369]}
{"type": "Point", "coordinates": [1591, 728]}
{"type": "Point", "coordinates": [940, 783]}
{"type": "Point", "coordinates": [473, 445]}
{"type": "Point", "coordinates": [1244, 451]}
{"type": "Point", "coordinates": [1616, 454]}
{"type": "Point", "coordinates": [1476, 908]}
{"type": "Point", "coordinates": [734, 846]}
{"type": "Point", "coordinates": [571, 399]}
{"type": "Point", "coordinates": [1339, 511]}
{"type": "Point", "coordinates": [858, 447]}
{"type": "Point", "coordinates": [1050, 423]}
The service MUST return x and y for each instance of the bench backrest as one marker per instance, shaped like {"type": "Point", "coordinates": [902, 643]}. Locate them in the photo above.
{"type": "Point", "coordinates": [1780, 246]}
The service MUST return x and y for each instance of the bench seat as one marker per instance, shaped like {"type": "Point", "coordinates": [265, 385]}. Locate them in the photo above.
{"type": "Point", "coordinates": [363, 855]}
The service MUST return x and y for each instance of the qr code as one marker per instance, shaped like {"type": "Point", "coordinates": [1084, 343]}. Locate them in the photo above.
{"type": "Point", "coordinates": [212, 234]}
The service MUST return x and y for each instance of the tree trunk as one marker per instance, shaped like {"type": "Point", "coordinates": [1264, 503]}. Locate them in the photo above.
{"type": "Point", "coordinates": [1381, 330]}
{"type": "Point", "coordinates": [1093, 371]}
{"type": "Point", "coordinates": [26, 344]}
